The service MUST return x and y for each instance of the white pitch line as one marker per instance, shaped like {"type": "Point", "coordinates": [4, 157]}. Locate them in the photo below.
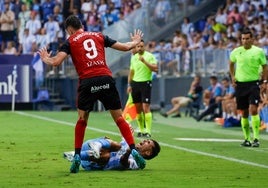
{"type": "Point", "coordinates": [216, 156]}
{"type": "Point", "coordinates": [208, 139]}
{"type": "Point", "coordinates": [161, 143]}
{"type": "Point", "coordinates": [64, 122]}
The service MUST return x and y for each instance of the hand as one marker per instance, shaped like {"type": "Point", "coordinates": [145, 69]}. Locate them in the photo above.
{"type": "Point", "coordinates": [136, 36]}
{"type": "Point", "coordinates": [141, 59]}
{"type": "Point", "coordinates": [129, 89]}
{"type": "Point", "coordinates": [233, 82]}
{"type": "Point", "coordinates": [44, 55]}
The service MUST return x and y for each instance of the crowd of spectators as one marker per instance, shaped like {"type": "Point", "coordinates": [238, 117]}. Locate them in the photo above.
{"type": "Point", "coordinates": [219, 30]}
{"type": "Point", "coordinates": [29, 24]}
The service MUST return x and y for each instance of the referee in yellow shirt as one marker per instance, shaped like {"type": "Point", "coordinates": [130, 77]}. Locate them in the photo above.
{"type": "Point", "coordinates": [142, 65]}
{"type": "Point", "coordinates": [245, 64]}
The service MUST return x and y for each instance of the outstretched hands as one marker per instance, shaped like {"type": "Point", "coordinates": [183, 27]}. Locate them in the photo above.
{"type": "Point", "coordinates": [44, 55]}
{"type": "Point", "coordinates": [136, 36]}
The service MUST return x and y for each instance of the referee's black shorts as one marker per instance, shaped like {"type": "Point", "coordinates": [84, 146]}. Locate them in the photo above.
{"type": "Point", "coordinates": [247, 93]}
{"type": "Point", "coordinates": [100, 88]}
{"type": "Point", "coordinates": [141, 92]}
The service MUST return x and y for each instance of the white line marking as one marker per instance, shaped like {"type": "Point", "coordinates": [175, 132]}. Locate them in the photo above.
{"type": "Point", "coordinates": [161, 143]}
{"type": "Point", "coordinates": [261, 150]}
{"type": "Point", "coordinates": [215, 156]}
{"type": "Point", "coordinates": [64, 122]}
{"type": "Point", "coordinates": [208, 139]}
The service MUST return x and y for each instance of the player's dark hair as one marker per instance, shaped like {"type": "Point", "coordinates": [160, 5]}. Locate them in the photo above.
{"type": "Point", "coordinates": [155, 150]}
{"type": "Point", "coordinates": [246, 31]}
{"type": "Point", "coordinates": [73, 22]}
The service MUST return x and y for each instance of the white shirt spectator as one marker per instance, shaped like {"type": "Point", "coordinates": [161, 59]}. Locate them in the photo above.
{"type": "Point", "coordinates": [264, 2]}
{"type": "Point", "coordinates": [196, 43]}
{"type": "Point", "coordinates": [34, 26]}
{"type": "Point", "coordinates": [86, 8]}
{"type": "Point", "coordinates": [187, 27]}
{"type": "Point", "coordinates": [42, 39]}
{"type": "Point", "coordinates": [27, 42]}
{"type": "Point", "coordinates": [117, 4]}
{"type": "Point", "coordinates": [102, 8]}
{"type": "Point", "coordinates": [256, 3]}
{"type": "Point", "coordinates": [23, 17]}
{"type": "Point", "coordinates": [242, 6]}
{"type": "Point", "coordinates": [52, 28]}
{"type": "Point", "coordinates": [162, 9]}
{"type": "Point", "coordinates": [221, 16]}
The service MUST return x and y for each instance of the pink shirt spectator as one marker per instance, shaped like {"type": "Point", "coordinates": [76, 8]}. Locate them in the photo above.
{"type": "Point", "coordinates": [236, 15]}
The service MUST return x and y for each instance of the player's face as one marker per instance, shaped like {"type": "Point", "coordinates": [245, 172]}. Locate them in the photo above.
{"type": "Point", "coordinates": [145, 147]}
{"type": "Point", "coordinates": [140, 48]}
{"type": "Point", "coordinates": [246, 40]}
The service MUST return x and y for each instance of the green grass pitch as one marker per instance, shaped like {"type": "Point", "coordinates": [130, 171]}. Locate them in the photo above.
{"type": "Point", "coordinates": [193, 154]}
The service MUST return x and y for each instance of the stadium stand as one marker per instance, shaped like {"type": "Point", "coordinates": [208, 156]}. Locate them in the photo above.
{"type": "Point", "coordinates": [211, 33]}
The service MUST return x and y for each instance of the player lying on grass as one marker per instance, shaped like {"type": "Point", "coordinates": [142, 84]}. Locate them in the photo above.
{"type": "Point", "coordinates": [106, 154]}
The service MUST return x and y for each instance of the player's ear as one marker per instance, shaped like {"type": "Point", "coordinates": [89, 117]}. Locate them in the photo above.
{"type": "Point", "coordinates": [148, 153]}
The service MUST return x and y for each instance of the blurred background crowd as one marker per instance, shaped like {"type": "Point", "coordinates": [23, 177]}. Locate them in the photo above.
{"type": "Point", "coordinates": [195, 44]}
{"type": "Point", "coordinates": [27, 25]}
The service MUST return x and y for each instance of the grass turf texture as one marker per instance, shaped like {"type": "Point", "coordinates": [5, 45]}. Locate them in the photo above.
{"type": "Point", "coordinates": [32, 143]}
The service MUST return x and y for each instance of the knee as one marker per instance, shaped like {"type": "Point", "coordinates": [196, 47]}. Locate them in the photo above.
{"type": "Point", "coordinates": [174, 100]}
{"type": "Point", "coordinates": [83, 116]}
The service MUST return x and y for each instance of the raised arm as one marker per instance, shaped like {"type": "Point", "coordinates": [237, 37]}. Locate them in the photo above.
{"type": "Point", "coordinates": [135, 39]}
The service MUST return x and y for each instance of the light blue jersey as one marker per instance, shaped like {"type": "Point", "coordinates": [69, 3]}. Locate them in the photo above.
{"type": "Point", "coordinates": [114, 161]}
{"type": "Point", "coordinates": [229, 90]}
{"type": "Point", "coordinates": [85, 158]}
{"type": "Point", "coordinates": [215, 90]}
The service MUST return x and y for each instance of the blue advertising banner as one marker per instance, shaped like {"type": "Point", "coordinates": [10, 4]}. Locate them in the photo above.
{"type": "Point", "coordinates": [15, 79]}
{"type": "Point", "coordinates": [15, 60]}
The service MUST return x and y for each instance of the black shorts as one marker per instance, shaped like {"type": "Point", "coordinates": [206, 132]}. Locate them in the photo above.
{"type": "Point", "coordinates": [141, 92]}
{"type": "Point", "coordinates": [100, 88]}
{"type": "Point", "coordinates": [247, 93]}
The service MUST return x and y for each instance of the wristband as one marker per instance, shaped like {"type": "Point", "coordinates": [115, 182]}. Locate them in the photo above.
{"type": "Point", "coordinates": [128, 85]}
